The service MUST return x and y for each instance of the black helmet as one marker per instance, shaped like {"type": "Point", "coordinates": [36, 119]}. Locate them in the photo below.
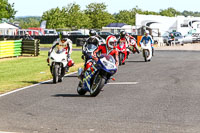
{"type": "Point", "coordinates": [92, 32]}
{"type": "Point", "coordinates": [122, 34]}
{"type": "Point", "coordinates": [61, 35]}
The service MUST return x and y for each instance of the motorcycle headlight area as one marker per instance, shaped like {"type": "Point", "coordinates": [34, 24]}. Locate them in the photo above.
{"type": "Point", "coordinates": [107, 64]}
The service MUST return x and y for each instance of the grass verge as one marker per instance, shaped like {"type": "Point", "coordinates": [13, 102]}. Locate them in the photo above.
{"type": "Point", "coordinates": [23, 71]}
{"type": "Point", "coordinates": [50, 45]}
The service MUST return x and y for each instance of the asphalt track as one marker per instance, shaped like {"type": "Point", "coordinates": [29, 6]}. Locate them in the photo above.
{"type": "Point", "coordinates": [164, 98]}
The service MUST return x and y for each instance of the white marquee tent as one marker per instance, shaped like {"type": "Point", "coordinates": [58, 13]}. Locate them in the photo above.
{"type": "Point", "coordinates": [7, 29]}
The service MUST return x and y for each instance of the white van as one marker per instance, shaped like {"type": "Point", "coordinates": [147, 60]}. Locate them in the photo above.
{"type": "Point", "coordinates": [50, 32]}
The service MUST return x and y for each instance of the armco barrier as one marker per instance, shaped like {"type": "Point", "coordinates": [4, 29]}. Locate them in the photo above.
{"type": "Point", "coordinates": [51, 39]}
{"type": "Point", "coordinates": [10, 48]}
{"type": "Point", "coordinates": [31, 47]}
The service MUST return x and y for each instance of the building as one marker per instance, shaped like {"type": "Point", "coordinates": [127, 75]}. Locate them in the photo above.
{"type": "Point", "coordinates": [115, 28]}
{"type": "Point", "coordinates": [161, 25]}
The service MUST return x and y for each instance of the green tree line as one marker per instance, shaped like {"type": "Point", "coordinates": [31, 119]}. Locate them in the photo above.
{"type": "Point", "coordinates": [94, 16]}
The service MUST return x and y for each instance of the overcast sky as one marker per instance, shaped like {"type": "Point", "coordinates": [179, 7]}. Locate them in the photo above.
{"type": "Point", "coordinates": [37, 7]}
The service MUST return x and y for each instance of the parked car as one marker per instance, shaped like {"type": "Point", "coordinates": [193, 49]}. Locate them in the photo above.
{"type": "Point", "coordinates": [70, 33]}
{"type": "Point", "coordinates": [31, 32]}
{"type": "Point", "coordinates": [178, 38]}
{"type": "Point", "coordinates": [50, 32]}
{"type": "Point", "coordinates": [104, 33]}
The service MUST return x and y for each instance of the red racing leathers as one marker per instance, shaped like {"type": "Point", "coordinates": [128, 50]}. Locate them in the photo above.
{"type": "Point", "coordinates": [105, 50]}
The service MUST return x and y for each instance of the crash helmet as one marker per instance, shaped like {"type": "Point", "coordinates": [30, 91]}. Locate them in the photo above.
{"type": "Point", "coordinates": [92, 32]}
{"type": "Point", "coordinates": [146, 32]}
{"type": "Point", "coordinates": [111, 41]}
{"type": "Point", "coordinates": [63, 40]}
{"type": "Point", "coordinates": [122, 34]}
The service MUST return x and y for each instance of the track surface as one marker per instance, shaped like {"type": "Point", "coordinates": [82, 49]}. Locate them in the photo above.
{"type": "Point", "coordinates": [166, 99]}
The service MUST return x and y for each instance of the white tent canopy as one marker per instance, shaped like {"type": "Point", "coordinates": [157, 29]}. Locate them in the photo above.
{"type": "Point", "coordinates": [8, 29]}
{"type": "Point", "coordinates": [7, 26]}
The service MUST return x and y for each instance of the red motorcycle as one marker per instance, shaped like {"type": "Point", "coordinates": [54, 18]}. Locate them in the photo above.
{"type": "Point", "coordinates": [133, 46]}
{"type": "Point", "coordinates": [121, 47]}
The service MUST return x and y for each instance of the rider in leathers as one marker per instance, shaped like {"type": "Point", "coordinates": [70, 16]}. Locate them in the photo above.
{"type": "Point", "coordinates": [67, 44]}
{"type": "Point", "coordinates": [146, 38]}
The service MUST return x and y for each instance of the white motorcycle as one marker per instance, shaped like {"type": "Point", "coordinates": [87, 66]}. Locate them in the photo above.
{"type": "Point", "coordinates": [147, 51]}
{"type": "Point", "coordinates": [58, 63]}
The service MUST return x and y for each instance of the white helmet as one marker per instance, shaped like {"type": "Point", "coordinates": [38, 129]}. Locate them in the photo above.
{"type": "Point", "coordinates": [111, 41]}
{"type": "Point", "coordinates": [146, 32]}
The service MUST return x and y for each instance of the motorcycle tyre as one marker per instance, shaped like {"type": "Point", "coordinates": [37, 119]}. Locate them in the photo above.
{"type": "Point", "coordinates": [137, 50]}
{"type": "Point", "coordinates": [145, 54]}
{"type": "Point", "coordinates": [99, 87]}
{"type": "Point", "coordinates": [120, 58]}
{"type": "Point", "coordinates": [80, 90]}
{"type": "Point", "coordinates": [55, 73]}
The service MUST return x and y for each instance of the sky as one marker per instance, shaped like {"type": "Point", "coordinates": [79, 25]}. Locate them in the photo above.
{"type": "Point", "coordinates": [37, 7]}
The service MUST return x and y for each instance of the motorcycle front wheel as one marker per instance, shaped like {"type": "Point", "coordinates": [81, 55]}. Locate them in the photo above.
{"type": "Point", "coordinates": [80, 90]}
{"type": "Point", "coordinates": [145, 54]}
{"type": "Point", "coordinates": [121, 57]}
{"type": "Point", "coordinates": [137, 50]}
{"type": "Point", "coordinates": [55, 73]}
{"type": "Point", "coordinates": [97, 85]}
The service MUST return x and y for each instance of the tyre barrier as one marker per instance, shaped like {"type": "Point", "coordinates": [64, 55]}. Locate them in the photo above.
{"type": "Point", "coordinates": [10, 48]}
{"type": "Point", "coordinates": [31, 47]}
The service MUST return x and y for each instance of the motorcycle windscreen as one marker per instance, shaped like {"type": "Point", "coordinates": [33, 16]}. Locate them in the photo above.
{"type": "Point", "coordinates": [121, 45]}
{"type": "Point", "coordinates": [91, 47]}
{"type": "Point", "coordinates": [59, 49]}
{"type": "Point", "coordinates": [108, 58]}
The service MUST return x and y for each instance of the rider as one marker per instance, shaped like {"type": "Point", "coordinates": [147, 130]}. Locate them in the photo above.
{"type": "Point", "coordinates": [67, 44]}
{"type": "Point", "coordinates": [123, 37]}
{"type": "Point", "coordinates": [146, 38]}
{"type": "Point", "coordinates": [93, 39]}
{"type": "Point", "coordinates": [109, 48]}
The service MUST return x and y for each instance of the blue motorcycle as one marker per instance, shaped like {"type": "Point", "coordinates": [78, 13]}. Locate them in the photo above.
{"type": "Point", "coordinates": [97, 75]}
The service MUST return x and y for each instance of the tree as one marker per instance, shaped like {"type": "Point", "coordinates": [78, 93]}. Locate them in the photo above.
{"type": "Point", "coordinates": [67, 17]}
{"type": "Point", "coordinates": [75, 18]}
{"type": "Point", "coordinates": [128, 16]}
{"type": "Point", "coordinates": [125, 16]}
{"type": "Point", "coordinates": [6, 10]}
{"type": "Point", "coordinates": [54, 18]}
{"type": "Point", "coordinates": [170, 12]}
{"type": "Point", "coordinates": [98, 15]}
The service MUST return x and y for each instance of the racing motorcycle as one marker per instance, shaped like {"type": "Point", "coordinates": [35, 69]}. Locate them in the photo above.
{"type": "Point", "coordinates": [88, 51]}
{"type": "Point", "coordinates": [97, 75]}
{"type": "Point", "coordinates": [58, 63]}
{"type": "Point", "coordinates": [121, 47]}
{"type": "Point", "coordinates": [147, 51]}
{"type": "Point", "coordinates": [133, 46]}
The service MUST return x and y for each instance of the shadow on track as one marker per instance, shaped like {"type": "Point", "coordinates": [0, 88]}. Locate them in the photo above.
{"type": "Point", "coordinates": [31, 82]}
{"type": "Point", "coordinates": [49, 82]}
{"type": "Point", "coordinates": [136, 61]}
{"type": "Point", "coordinates": [72, 76]}
{"type": "Point", "coordinates": [70, 95]}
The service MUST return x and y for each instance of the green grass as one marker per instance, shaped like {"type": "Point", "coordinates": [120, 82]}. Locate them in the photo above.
{"type": "Point", "coordinates": [50, 45]}
{"type": "Point", "coordinates": [23, 71]}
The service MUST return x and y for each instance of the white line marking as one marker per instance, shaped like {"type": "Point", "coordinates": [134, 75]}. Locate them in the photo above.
{"type": "Point", "coordinates": [32, 86]}
{"type": "Point", "coordinates": [7, 132]}
{"type": "Point", "coordinates": [123, 83]}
